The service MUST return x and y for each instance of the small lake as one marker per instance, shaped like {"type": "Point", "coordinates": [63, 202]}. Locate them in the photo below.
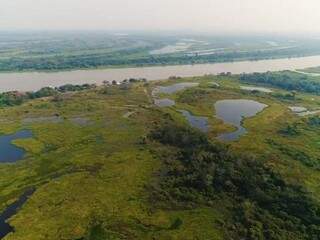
{"type": "Point", "coordinates": [165, 102]}
{"type": "Point", "coordinates": [233, 112]}
{"type": "Point", "coordinates": [10, 211]}
{"type": "Point", "coordinates": [215, 84]}
{"type": "Point", "coordinates": [302, 111]}
{"type": "Point", "coordinates": [81, 121]}
{"type": "Point", "coordinates": [308, 113]}
{"type": "Point", "coordinates": [173, 88]}
{"type": "Point", "coordinates": [259, 89]}
{"type": "Point", "coordinates": [178, 47]}
{"type": "Point", "coordinates": [30, 81]}
{"type": "Point", "coordinates": [297, 109]}
{"type": "Point", "coordinates": [47, 119]}
{"type": "Point", "coordinates": [200, 123]}
{"type": "Point", "coordinates": [9, 152]}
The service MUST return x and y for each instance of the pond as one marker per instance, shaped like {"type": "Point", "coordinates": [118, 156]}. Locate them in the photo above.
{"type": "Point", "coordinates": [165, 102]}
{"type": "Point", "coordinates": [173, 88]}
{"type": "Point", "coordinates": [81, 121]}
{"type": "Point", "coordinates": [297, 109]}
{"type": "Point", "coordinates": [178, 47]}
{"type": "Point", "coordinates": [302, 111]}
{"type": "Point", "coordinates": [233, 112]}
{"type": "Point", "coordinates": [200, 123]}
{"type": "Point", "coordinates": [215, 84]}
{"type": "Point", "coordinates": [308, 113]}
{"type": "Point", "coordinates": [259, 89]}
{"type": "Point", "coordinates": [10, 211]}
{"type": "Point", "coordinates": [9, 152]}
{"type": "Point", "coordinates": [47, 119]}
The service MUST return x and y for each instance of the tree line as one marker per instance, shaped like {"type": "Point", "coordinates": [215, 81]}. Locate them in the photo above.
{"type": "Point", "coordinates": [13, 98]}
{"type": "Point", "coordinates": [285, 80]}
{"type": "Point", "coordinates": [200, 172]}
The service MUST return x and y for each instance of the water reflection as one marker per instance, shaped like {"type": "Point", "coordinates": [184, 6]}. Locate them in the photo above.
{"type": "Point", "coordinates": [201, 123]}
{"type": "Point", "coordinates": [165, 102]}
{"type": "Point", "coordinates": [8, 151]}
{"type": "Point", "coordinates": [11, 210]}
{"type": "Point", "coordinates": [30, 81]}
{"type": "Point", "coordinates": [259, 89]}
{"type": "Point", "coordinates": [173, 88]}
{"type": "Point", "coordinates": [233, 112]}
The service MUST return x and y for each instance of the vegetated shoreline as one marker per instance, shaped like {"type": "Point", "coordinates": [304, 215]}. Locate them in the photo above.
{"type": "Point", "coordinates": [106, 67]}
{"type": "Point", "coordinates": [207, 196]}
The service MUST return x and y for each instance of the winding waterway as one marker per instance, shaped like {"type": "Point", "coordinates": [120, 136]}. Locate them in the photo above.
{"type": "Point", "coordinates": [11, 210]}
{"type": "Point", "coordinates": [29, 81]}
{"type": "Point", "coordinates": [9, 152]}
{"type": "Point", "coordinates": [233, 112]}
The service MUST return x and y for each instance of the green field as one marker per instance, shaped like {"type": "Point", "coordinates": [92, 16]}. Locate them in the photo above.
{"type": "Point", "coordinates": [131, 170]}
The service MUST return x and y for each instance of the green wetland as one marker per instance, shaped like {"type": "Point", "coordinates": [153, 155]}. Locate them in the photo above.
{"type": "Point", "coordinates": [129, 161]}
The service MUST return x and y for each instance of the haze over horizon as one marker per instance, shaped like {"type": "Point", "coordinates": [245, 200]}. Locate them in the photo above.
{"type": "Point", "coordinates": [230, 16]}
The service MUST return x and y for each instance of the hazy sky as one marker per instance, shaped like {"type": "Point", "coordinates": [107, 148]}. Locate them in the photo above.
{"type": "Point", "coordinates": [200, 15]}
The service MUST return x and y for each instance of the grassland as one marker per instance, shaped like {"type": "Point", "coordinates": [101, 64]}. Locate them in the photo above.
{"type": "Point", "coordinates": [93, 180]}
{"type": "Point", "coordinates": [263, 127]}
{"type": "Point", "coordinates": [94, 176]}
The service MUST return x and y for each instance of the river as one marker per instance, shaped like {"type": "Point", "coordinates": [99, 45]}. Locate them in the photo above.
{"type": "Point", "coordinates": [29, 81]}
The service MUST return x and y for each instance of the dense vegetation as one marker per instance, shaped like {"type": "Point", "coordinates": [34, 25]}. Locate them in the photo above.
{"type": "Point", "coordinates": [285, 80]}
{"type": "Point", "coordinates": [111, 60]}
{"type": "Point", "coordinates": [63, 50]}
{"type": "Point", "coordinates": [106, 163]}
{"type": "Point", "coordinates": [17, 98]}
{"type": "Point", "coordinates": [265, 207]}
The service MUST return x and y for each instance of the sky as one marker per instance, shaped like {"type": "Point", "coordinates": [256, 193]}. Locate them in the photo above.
{"type": "Point", "coordinates": [273, 16]}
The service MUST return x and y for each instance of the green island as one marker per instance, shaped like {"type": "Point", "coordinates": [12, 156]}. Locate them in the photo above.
{"type": "Point", "coordinates": [63, 50]}
{"type": "Point", "coordinates": [105, 162]}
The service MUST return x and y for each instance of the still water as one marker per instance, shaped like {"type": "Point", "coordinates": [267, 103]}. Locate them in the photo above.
{"type": "Point", "coordinates": [29, 81]}
{"type": "Point", "coordinates": [233, 112]}
{"type": "Point", "coordinates": [11, 210]}
{"type": "Point", "coordinates": [259, 89]}
{"type": "Point", "coordinates": [9, 152]}
{"type": "Point", "coordinates": [173, 88]}
{"type": "Point", "coordinates": [198, 122]}
{"type": "Point", "coordinates": [164, 102]}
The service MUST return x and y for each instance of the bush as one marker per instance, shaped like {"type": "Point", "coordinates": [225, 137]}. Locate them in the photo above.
{"type": "Point", "coordinates": [285, 80]}
{"type": "Point", "coordinates": [265, 207]}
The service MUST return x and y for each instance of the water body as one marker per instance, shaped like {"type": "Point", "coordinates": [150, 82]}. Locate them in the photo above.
{"type": "Point", "coordinates": [11, 210]}
{"type": "Point", "coordinates": [308, 113]}
{"type": "Point", "coordinates": [173, 88]}
{"type": "Point", "coordinates": [296, 109]}
{"type": "Point", "coordinates": [302, 111]}
{"type": "Point", "coordinates": [179, 47]}
{"type": "Point", "coordinates": [10, 153]}
{"type": "Point", "coordinates": [81, 121]}
{"type": "Point", "coordinates": [200, 123]}
{"type": "Point", "coordinates": [29, 81]}
{"type": "Point", "coordinates": [215, 84]}
{"type": "Point", "coordinates": [260, 89]}
{"type": "Point", "coordinates": [233, 112]}
{"type": "Point", "coordinates": [165, 102]}
{"type": "Point", "coordinates": [51, 119]}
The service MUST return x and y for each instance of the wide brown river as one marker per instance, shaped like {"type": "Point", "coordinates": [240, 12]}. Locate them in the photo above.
{"type": "Point", "coordinates": [28, 81]}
